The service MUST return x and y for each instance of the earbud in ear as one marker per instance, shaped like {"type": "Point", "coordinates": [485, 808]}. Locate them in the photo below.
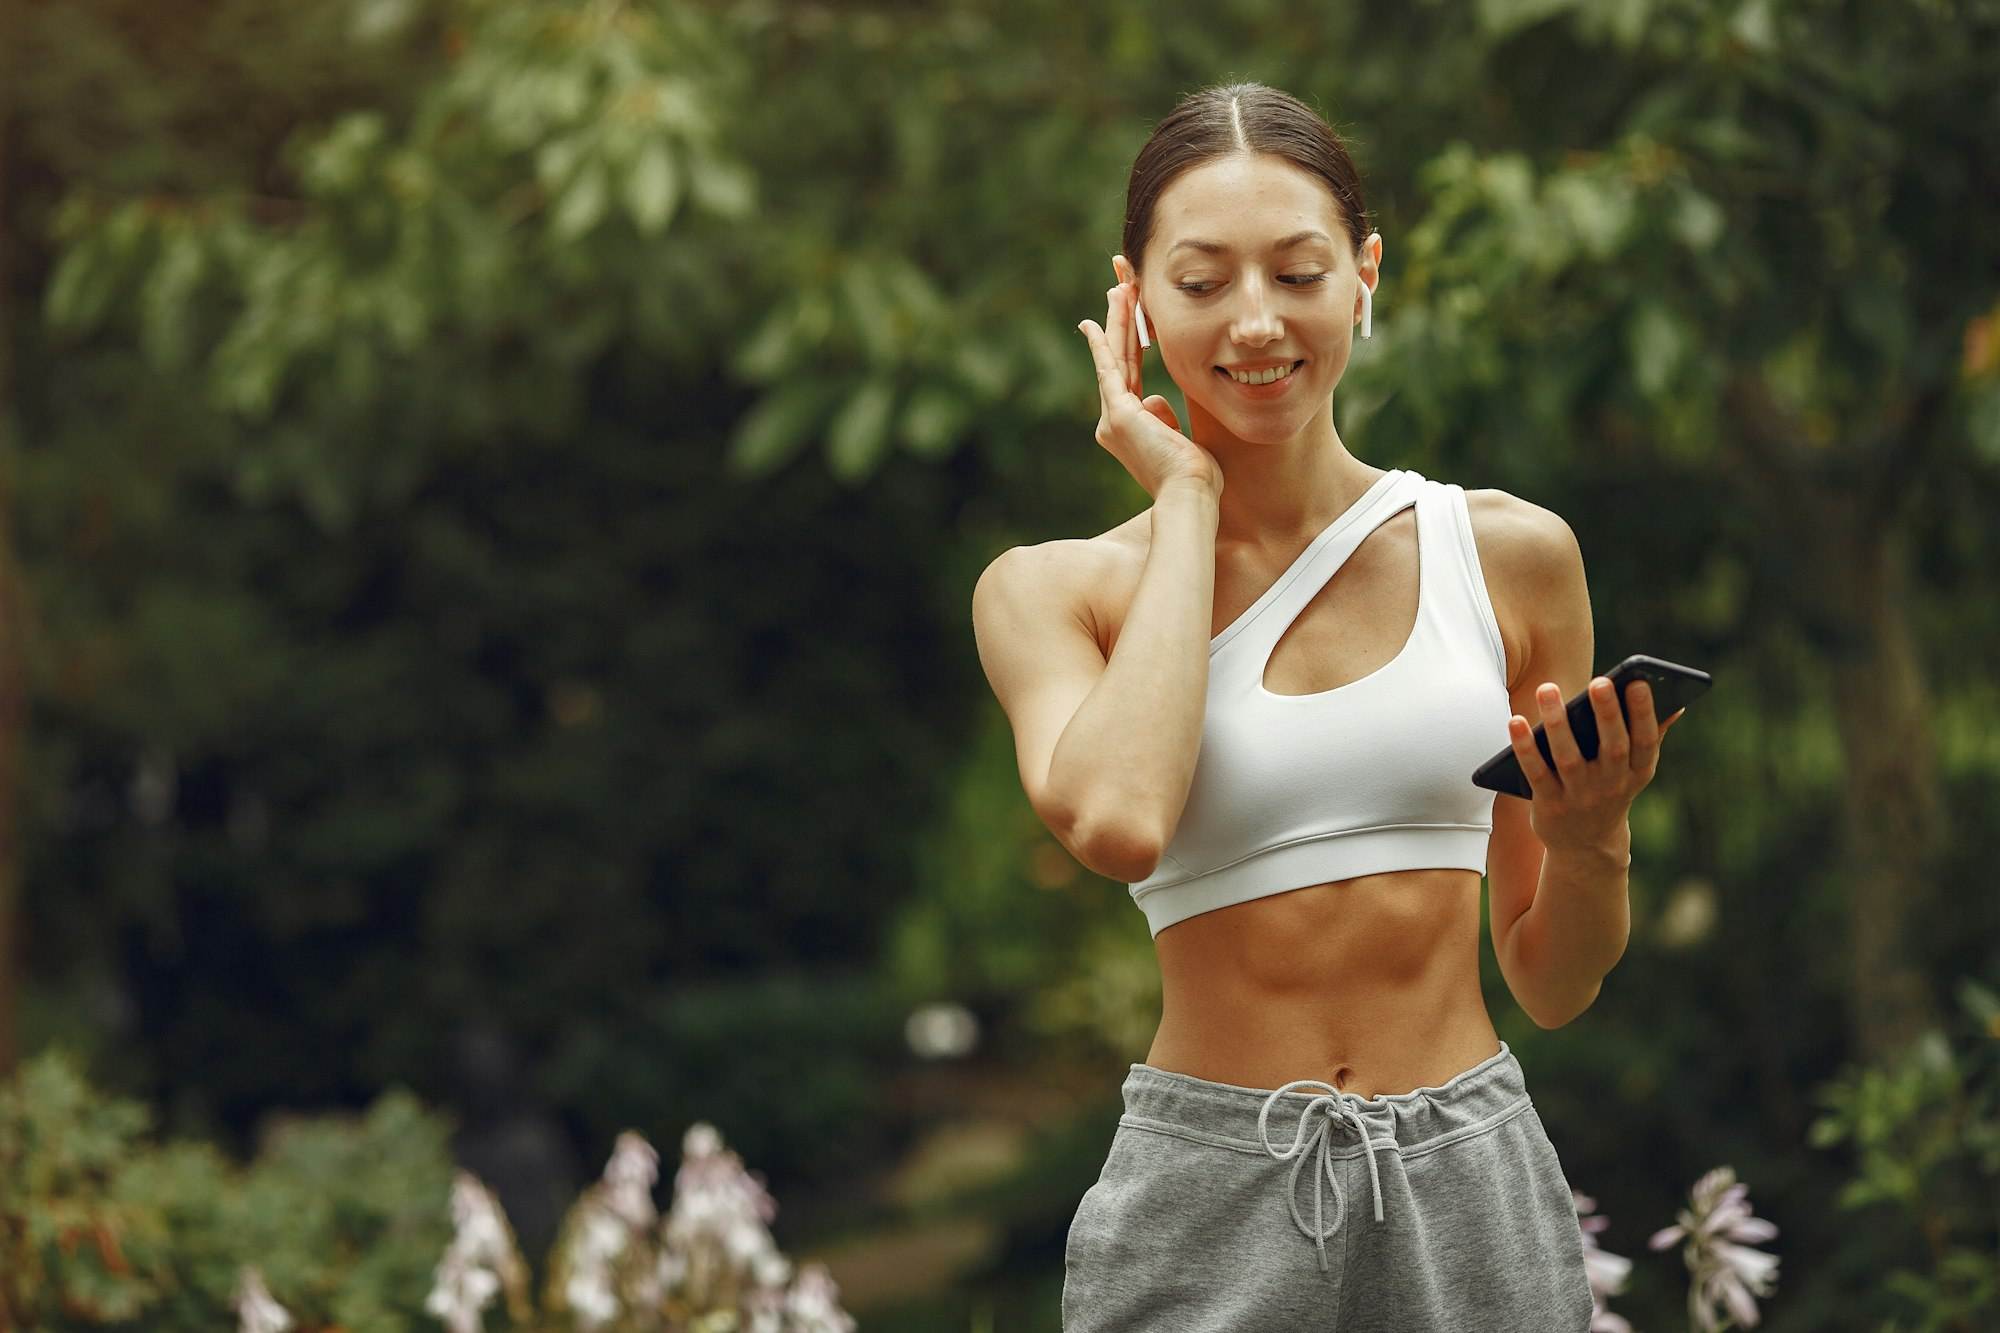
{"type": "Point", "coordinates": [1145, 338]}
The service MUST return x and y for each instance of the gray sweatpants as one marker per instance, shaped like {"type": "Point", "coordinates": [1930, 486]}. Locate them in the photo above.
{"type": "Point", "coordinates": [1222, 1208]}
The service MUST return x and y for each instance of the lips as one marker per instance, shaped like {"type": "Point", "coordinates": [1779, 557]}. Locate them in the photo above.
{"type": "Point", "coordinates": [1271, 390]}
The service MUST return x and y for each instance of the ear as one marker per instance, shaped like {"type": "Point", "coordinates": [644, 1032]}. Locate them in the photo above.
{"type": "Point", "coordinates": [1370, 256]}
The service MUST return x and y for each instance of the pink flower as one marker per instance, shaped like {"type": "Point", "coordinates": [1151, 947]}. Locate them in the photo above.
{"type": "Point", "coordinates": [1718, 1229]}
{"type": "Point", "coordinates": [1607, 1271]}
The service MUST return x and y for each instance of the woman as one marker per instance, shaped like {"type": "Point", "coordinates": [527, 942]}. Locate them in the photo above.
{"type": "Point", "coordinates": [1259, 705]}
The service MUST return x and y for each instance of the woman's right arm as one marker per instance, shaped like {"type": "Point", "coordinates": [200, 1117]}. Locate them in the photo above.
{"type": "Point", "coordinates": [1107, 750]}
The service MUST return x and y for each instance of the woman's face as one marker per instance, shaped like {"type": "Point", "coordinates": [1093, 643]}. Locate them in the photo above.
{"type": "Point", "coordinates": [1249, 265]}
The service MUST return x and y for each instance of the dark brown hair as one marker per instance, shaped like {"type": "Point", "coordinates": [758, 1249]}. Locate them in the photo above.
{"type": "Point", "coordinates": [1238, 118]}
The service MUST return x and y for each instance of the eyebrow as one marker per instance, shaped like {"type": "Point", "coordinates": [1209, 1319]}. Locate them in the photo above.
{"type": "Point", "coordinates": [1285, 243]}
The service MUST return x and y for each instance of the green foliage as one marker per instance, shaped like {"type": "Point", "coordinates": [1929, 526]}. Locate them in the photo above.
{"type": "Point", "coordinates": [101, 1225]}
{"type": "Point", "coordinates": [501, 484]}
{"type": "Point", "coordinates": [400, 257]}
{"type": "Point", "coordinates": [1925, 1135]}
{"type": "Point", "coordinates": [827, 1039]}
{"type": "Point", "coordinates": [72, 1241]}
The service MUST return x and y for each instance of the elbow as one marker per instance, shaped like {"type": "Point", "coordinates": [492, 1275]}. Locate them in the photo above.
{"type": "Point", "coordinates": [1116, 850]}
{"type": "Point", "coordinates": [1550, 1021]}
{"type": "Point", "coordinates": [1117, 847]}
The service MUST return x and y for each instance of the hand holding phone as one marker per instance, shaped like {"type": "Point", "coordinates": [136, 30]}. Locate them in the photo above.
{"type": "Point", "coordinates": [1674, 687]}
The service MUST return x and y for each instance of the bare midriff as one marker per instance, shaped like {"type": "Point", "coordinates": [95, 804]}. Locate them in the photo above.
{"type": "Point", "coordinates": [1369, 984]}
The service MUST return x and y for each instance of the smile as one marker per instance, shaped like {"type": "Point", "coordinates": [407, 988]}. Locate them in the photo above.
{"type": "Point", "coordinates": [1261, 383]}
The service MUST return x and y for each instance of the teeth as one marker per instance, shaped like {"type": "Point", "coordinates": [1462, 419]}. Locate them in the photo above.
{"type": "Point", "coordinates": [1271, 376]}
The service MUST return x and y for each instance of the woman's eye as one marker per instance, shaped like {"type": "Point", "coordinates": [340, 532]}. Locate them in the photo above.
{"type": "Point", "coordinates": [1294, 279]}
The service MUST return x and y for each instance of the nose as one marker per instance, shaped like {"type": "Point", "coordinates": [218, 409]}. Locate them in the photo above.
{"type": "Point", "coordinates": [1256, 322]}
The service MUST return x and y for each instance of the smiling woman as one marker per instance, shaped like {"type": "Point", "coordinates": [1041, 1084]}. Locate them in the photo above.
{"type": "Point", "coordinates": [1259, 703]}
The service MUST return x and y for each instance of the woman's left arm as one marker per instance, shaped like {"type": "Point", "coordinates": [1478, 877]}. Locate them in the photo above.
{"type": "Point", "coordinates": [1557, 864]}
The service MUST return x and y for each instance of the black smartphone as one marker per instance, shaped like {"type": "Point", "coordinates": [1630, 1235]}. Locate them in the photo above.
{"type": "Point", "coordinates": [1674, 687]}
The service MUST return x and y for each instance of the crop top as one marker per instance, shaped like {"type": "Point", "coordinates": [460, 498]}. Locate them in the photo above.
{"type": "Point", "coordinates": [1374, 775]}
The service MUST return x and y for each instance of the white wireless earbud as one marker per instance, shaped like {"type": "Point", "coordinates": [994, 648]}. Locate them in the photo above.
{"type": "Point", "coordinates": [1367, 309]}
{"type": "Point", "coordinates": [1145, 338]}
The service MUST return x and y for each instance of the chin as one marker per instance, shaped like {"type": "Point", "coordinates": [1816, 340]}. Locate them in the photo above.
{"type": "Point", "coordinates": [1266, 431]}
{"type": "Point", "coordinates": [1255, 427]}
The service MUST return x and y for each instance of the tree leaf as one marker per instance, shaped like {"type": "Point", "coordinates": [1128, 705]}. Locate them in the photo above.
{"type": "Point", "coordinates": [770, 433]}
{"type": "Point", "coordinates": [724, 188]}
{"type": "Point", "coordinates": [933, 420]}
{"type": "Point", "coordinates": [164, 318]}
{"type": "Point", "coordinates": [80, 290]}
{"type": "Point", "coordinates": [873, 319]}
{"type": "Point", "coordinates": [860, 433]}
{"type": "Point", "coordinates": [582, 205]}
{"type": "Point", "coordinates": [652, 189]}
{"type": "Point", "coordinates": [1655, 343]}
{"type": "Point", "coordinates": [1982, 420]}
{"type": "Point", "coordinates": [767, 353]}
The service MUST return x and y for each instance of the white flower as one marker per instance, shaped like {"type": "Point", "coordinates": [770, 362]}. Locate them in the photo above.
{"type": "Point", "coordinates": [747, 1241]}
{"type": "Point", "coordinates": [480, 1261]}
{"type": "Point", "coordinates": [460, 1292]}
{"type": "Point", "coordinates": [1723, 1270]}
{"type": "Point", "coordinates": [479, 1233]}
{"type": "Point", "coordinates": [597, 1237]}
{"type": "Point", "coordinates": [602, 1236]}
{"type": "Point", "coordinates": [1607, 1272]}
{"type": "Point", "coordinates": [813, 1305]}
{"type": "Point", "coordinates": [771, 1269]}
{"type": "Point", "coordinates": [256, 1311]}
{"type": "Point", "coordinates": [588, 1294]}
{"type": "Point", "coordinates": [717, 1204]}
{"type": "Point", "coordinates": [701, 1140]}
{"type": "Point", "coordinates": [629, 1177]}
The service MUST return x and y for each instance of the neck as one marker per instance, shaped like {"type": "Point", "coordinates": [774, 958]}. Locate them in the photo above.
{"type": "Point", "coordinates": [1280, 492]}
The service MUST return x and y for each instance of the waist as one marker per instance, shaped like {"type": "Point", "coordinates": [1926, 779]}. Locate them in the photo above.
{"type": "Point", "coordinates": [1371, 985]}
{"type": "Point", "coordinates": [1173, 894]}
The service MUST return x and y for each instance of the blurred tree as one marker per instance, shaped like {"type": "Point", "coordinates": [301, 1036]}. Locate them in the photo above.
{"type": "Point", "coordinates": [394, 354]}
{"type": "Point", "coordinates": [388, 741]}
{"type": "Point", "coordinates": [13, 689]}
{"type": "Point", "coordinates": [1725, 303]}
{"type": "Point", "coordinates": [1764, 280]}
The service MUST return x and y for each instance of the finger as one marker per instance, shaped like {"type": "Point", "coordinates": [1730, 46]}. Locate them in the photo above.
{"type": "Point", "coordinates": [1646, 729]}
{"type": "Point", "coordinates": [1555, 725]}
{"type": "Point", "coordinates": [1164, 410]}
{"type": "Point", "coordinates": [1135, 356]}
{"type": "Point", "coordinates": [1614, 746]}
{"type": "Point", "coordinates": [1110, 385]}
{"type": "Point", "coordinates": [1522, 737]}
{"type": "Point", "coordinates": [1118, 332]}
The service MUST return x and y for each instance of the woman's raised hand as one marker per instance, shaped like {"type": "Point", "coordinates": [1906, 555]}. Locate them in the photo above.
{"type": "Point", "coordinates": [1143, 435]}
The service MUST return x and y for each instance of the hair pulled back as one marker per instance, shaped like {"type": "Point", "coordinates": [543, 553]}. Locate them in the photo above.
{"type": "Point", "coordinates": [1238, 118]}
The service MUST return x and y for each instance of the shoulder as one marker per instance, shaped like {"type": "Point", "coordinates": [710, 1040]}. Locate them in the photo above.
{"type": "Point", "coordinates": [1078, 575]}
{"type": "Point", "coordinates": [1519, 539]}
{"type": "Point", "coordinates": [1534, 575]}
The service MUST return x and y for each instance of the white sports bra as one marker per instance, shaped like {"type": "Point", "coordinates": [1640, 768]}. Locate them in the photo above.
{"type": "Point", "coordinates": [1374, 775]}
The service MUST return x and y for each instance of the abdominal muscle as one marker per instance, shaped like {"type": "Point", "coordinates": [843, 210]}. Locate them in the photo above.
{"type": "Point", "coordinates": [1369, 984]}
